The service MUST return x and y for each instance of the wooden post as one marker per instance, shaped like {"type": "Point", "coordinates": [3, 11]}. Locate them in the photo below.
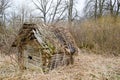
{"type": "Point", "coordinates": [21, 59]}
{"type": "Point", "coordinates": [41, 61]}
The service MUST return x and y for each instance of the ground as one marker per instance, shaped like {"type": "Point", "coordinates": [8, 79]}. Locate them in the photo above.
{"type": "Point", "coordinates": [87, 66]}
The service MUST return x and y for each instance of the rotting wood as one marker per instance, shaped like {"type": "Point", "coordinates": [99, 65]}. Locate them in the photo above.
{"type": "Point", "coordinates": [55, 46]}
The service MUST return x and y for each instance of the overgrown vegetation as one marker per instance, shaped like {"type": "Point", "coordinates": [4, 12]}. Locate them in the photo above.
{"type": "Point", "coordinates": [101, 35]}
{"type": "Point", "coordinates": [86, 67]}
{"type": "Point", "coordinates": [6, 38]}
{"type": "Point", "coordinates": [96, 36]}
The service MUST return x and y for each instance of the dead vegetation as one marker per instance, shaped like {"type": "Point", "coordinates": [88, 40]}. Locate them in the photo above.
{"type": "Point", "coordinates": [44, 47]}
{"type": "Point", "coordinates": [100, 36]}
{"type": "Point", "coordinates": [87, 66]}
{"type": "Point", "coordinates": [92, 37]}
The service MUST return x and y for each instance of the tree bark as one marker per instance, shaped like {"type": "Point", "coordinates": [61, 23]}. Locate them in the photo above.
{"type": "Point", "coordinates": [70, 10]}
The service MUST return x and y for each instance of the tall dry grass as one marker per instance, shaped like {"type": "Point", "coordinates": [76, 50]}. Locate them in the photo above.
{"type": "Point", "coordinates": [101, 35]}
{"type": "Point", "coordinates": [7, 36]}
{"type": "Point", "coordinates": [86, 67]}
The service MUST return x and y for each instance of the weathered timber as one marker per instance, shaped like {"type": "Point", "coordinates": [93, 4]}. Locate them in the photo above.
{"type": "Point", "coordinates": [44, 46]}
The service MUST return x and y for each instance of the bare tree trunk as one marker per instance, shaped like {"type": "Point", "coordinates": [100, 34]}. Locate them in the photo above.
{"type": "Point", "coordinates": [95, 13]}
{"type": "Point", "coordinates": [101, 6]}
{"type": "Point", "coordinates": [4, 4]}
{"type": "Point", "coordinates": [56, 8]}
{"type": "Point", "coordinates": [22, 15]}
{"type": "Point", "coordinates": [112, 5]}
{"type": "Point", "coordinates": [4, 20]}
{"type": "Point", "coordinates": [50, 12]}
{"type": "Point", "coordinates": [118, 8]}
{"type": "Point", "coordinates": [70, 9]}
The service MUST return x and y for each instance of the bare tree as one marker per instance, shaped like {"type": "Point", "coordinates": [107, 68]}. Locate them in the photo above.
{"type": "Point", "coordinates": [4, 4]}
{"type": "Point", "coordinates": [102, 7]}
{"type": "Point", "coordinates": [113, 7]}
{"type": "Point", "coordinates": [18, 16]}
{"type": "Point", "coordinates": [22, 13]}
{"type": "Point", "coordinates": [118, 7]}
{"type": "Point", "coordinates": [95, 8]}
{"type": "Point", "coordinates": [49, 10]}
{"type": "Point", "coordinates": [70, 11]}
{"type": "Point", "coordinates": [91, 8]}
{"type": "Point", "coordinates": [95, 12]}
{"type": "Point", "coordinates": [42, 6]}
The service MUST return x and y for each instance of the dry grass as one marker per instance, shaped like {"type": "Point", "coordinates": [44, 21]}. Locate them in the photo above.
{"type": "Point", "coordinates": [6, 38]}
{"type": "Point", "coordinates": [100, 36]}
{"type": "Point", "coordinates": [87, 66]}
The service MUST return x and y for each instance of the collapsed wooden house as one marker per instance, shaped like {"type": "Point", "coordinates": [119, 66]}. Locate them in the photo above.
{"type": "Point", "coordinates": [44, 47]}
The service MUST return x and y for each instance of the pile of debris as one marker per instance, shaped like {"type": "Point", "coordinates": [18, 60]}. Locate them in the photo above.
{"type": "Point", "coordinates": [44, 47]}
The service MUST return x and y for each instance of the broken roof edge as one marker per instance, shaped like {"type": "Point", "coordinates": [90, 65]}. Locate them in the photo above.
{"type": "Point", "coordinates": [28, 28]}
{"type": "Point", "coordinates": [43, 32]}
{"type": "Point", "coordinates": [28, 25]}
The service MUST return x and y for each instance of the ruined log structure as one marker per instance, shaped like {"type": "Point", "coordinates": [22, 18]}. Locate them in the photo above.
{"type": "Point", "coordinates": [44, 47]}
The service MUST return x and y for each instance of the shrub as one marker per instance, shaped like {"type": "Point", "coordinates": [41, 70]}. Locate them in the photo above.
{"type": "Point", "coordinates": [100, 35]}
